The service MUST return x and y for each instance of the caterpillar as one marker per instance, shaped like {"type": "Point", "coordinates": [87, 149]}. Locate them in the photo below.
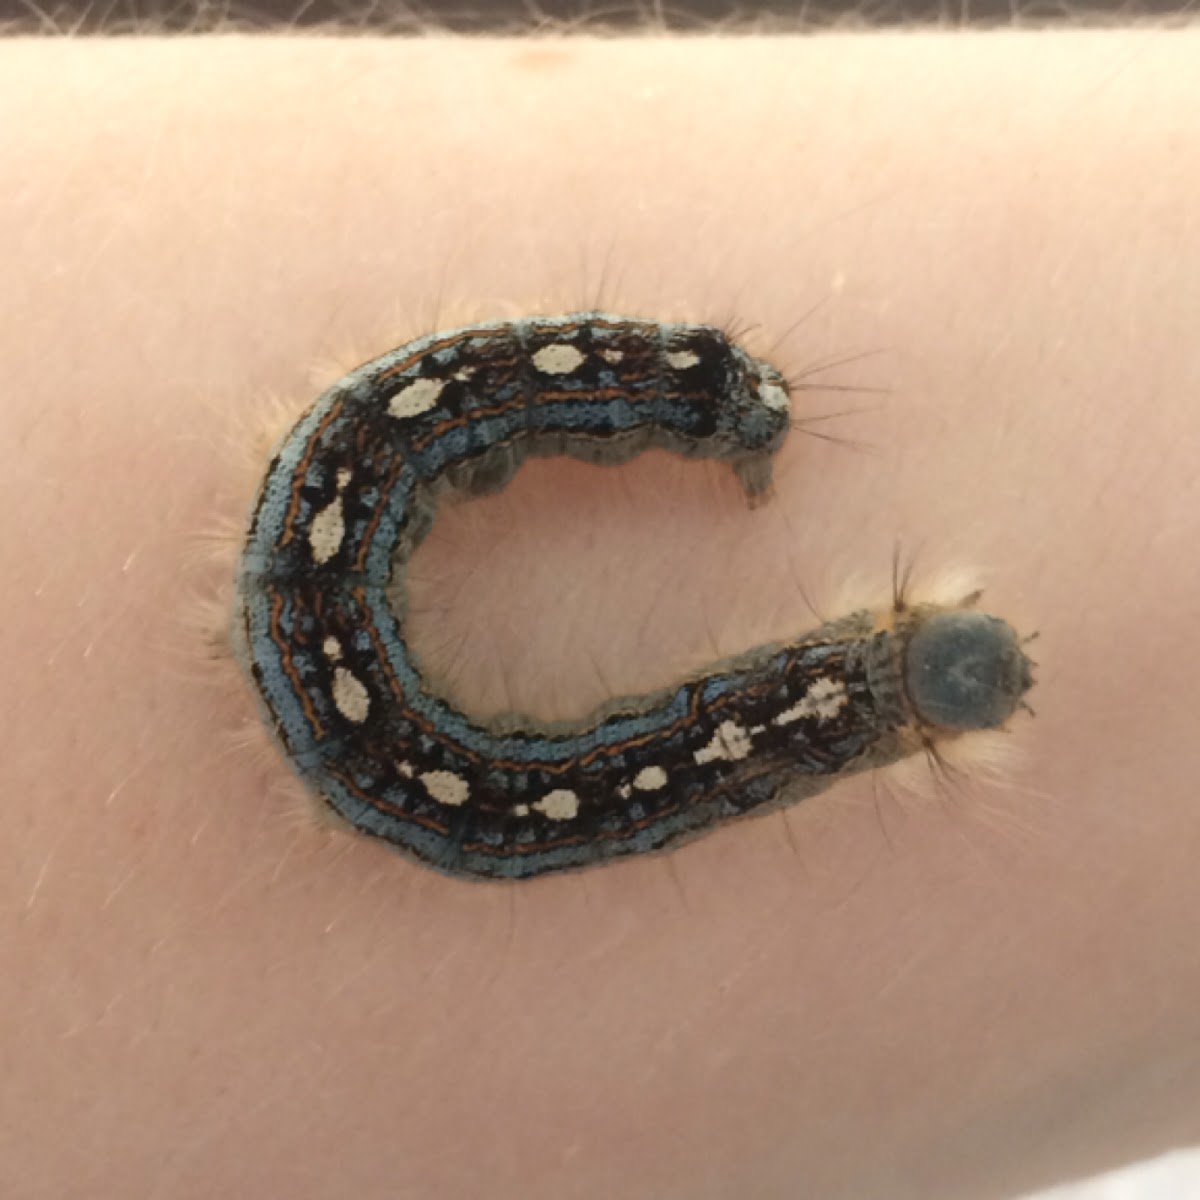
{"type": "Point", "coordinates": [319, 615]}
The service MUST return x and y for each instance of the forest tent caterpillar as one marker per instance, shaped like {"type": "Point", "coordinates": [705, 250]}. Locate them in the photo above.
{"type": "Point", "coordinates": [353, 489]}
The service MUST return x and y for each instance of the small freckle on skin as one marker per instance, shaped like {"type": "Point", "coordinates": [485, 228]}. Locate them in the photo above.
{"type": "Point", "coordinates": [542, 58]}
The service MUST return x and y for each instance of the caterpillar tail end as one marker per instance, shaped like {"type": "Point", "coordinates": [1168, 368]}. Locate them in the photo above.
{"type": "Point", "coordinates": [756, 476]}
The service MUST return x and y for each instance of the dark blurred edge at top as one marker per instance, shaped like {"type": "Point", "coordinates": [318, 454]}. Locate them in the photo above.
{"type": "Point", "coordinates": [526, 16]}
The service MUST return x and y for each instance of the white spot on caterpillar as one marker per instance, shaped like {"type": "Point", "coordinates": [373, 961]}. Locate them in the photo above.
{"type": "Point", "coordinates": [730, 741]}
{"type": "Point", "coordinates": [558, 360]}
{"type": "Point", "coordinates": [329, 525]}
{"type": "Point", "coordinates": [559, 805]}
{"type": "Point", "coordinates": [327, 530]}
{"type": "Point", "coordinates": [612, 356]}
{"type": "Point", "coordinates": [332, 648]}
{"type": "Point", "coordinates": [446, 787]}
{"type": "Point", "coordinates": [405, 769]}
{"type": "Point", "coordinates": [419, 397]}
{"type": "Point", "coordinates": [774, 397]}
{"type": "Point", "coordinates": [680, 360]}
{"type": "Point", "coordinates": [520, 810]}
{"type": "Point", "coordinates": [624, 791]}
{"type": "Point", "coordinates": [823, 700]}
{"type": "Point", "coordinates": [650, 779]}
{"type": "Point", "coordinates": [350, 696]}
{"type": "Point", "coordinates": [464, 373]}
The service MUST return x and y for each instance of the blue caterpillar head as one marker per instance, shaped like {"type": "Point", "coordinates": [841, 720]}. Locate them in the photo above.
{"type": "Point", "coordinates": [966, 670]}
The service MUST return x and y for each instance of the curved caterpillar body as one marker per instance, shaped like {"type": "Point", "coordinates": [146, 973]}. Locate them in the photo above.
{"type": "Point", "coordinates": [352, 490]}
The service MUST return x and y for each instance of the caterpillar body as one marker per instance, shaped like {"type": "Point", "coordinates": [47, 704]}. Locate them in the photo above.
{"type": "Point", "coordinates": [319, 619]}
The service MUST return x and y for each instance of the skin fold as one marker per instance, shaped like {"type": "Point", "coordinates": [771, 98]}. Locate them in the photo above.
{"type": "Point", "coordinates": [961, 982]}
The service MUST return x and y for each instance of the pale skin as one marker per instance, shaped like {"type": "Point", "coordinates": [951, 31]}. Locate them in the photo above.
{"type": "Point", "coordinates": [963, 990]}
